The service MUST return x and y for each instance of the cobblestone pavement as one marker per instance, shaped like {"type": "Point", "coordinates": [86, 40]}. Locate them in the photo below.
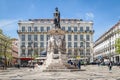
{"type": "Point", "coordinates": [92, 72]}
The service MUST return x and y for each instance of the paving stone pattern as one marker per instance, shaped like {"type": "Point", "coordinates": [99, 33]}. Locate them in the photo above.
{"type": "Point", "coordinates": [92, 72]}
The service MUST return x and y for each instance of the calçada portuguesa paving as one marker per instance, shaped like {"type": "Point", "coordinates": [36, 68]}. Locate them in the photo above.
{"type": "Point", "coordinates": [92, 72]}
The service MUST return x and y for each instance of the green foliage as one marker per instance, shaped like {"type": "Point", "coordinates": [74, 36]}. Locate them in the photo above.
{"type": "Point", "coordinates": [5, 47]}
{"type": "Point", "coordinates": [117, 45]}
{"type": "Point", "coordinates": [35, 53]}
{"type": "Point", "coordinates": [1, 32]}
{"type": "Point", "coordinates": [35, 56]}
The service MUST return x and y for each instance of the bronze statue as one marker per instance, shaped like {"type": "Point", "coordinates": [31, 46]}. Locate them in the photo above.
{"type": "Point", "coordinates": [57, 18]}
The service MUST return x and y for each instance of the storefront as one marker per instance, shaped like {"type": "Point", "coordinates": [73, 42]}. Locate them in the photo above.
{"type": "Point", "coordinates": [24, 61]}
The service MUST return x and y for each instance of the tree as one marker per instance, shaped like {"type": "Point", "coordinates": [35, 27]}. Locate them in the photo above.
{"type": "Point", "coordinates": [5, 48]}
{"type": "Point", "coordinates": [117, 45]}
{"type": "Point", "coordinates": [35, 55]}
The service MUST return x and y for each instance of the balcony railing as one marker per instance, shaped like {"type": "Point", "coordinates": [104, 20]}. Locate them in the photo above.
{"type": "Point", "coordinates": [89, 31]}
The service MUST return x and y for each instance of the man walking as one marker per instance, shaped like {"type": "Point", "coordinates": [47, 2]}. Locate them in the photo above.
{"type": "Point", "coordinates": [79, 64]}
{"type": "Point", "coordinates": [110, 66]}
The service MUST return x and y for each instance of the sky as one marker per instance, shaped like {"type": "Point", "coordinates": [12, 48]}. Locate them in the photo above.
{"type": "Point", "coordinates": [103, 13]}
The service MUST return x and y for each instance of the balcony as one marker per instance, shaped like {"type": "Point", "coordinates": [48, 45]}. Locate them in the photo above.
{"type": "Point", "coordinates": [81, 47]}
{"type": "Point", "coordinates": [19, 31]}
{"type": "Point", "coordinates": [23, 46]}
{"type": "Point", "coordinates": [23, 55]}
{"type": "Point", "coordinates": [30, 47]}
{"type": "Point", "coordinates": [35, 47]}
{"type": "Point", "coordinates": [92, 31]}
{"type": "Point", "coordinates": [89, 31]}
{"type": "Point", "coordinates": [87, 47]}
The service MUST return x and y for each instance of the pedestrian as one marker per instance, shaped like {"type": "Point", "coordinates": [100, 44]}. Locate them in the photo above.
{"type": "Point", "coordinates": [3, 65]}
{"type": "Point", "coordinates": [18, 66]}
{"type": "Point", "coordinates": [110, 66]}
{"type": "Point", "coordinates": [79, 64]}
{"type": "Point", "coordinates": [70, 61]}
{"type": "Point", "coordinates": [32, 65]}
{"type": "Point", "coordinates": [74, 64]}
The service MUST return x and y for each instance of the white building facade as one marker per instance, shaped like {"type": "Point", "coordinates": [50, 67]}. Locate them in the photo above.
{"type": "Point", "coordinates": [104, 47]}
{"type": "Point", "coordinates": [33, 37]}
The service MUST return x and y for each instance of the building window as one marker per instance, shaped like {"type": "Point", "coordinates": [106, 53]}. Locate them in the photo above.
{"type": "Point", "coordinates": [69, 38]}
{"type": "Point", "coordinates": [87, 44]}
{"type": "Point", "coordinates": [69, 29]}
{"type": "Point", "coordinates": [69, 52]}
{"type": "Point", "coordinates": [48, 28]}
{"type": "Point", "coordinates": [81, 52]}
{"type": "Point", "coordinates": [75, 29]}
{"type": "Point", "coordinates": [81, 44]}
{"type": "Point", "coordinates": [29, 37]}
{"type": "Point", "coordinates": [41, 44]}
{"type": "Point", "coordinates": [87, 28]}
{"type": "Point", "coordinates": [48, 37]}
{"type": "Point", "coordinates": [35, 29]}
{"type": "Point", "coordinates": [29, 44]}
{"type": "Point", "coordinates": [75, 44]}
{"type": "Point", "coordinates": [35, 37]}
{"type": "Point", "coordinates": [81, 29]}
{"type": "Point", "coordinates": [29, 52]}
{"type": "Point", "coordinates": [87, 52]}
{"type": "Point", "coordinates": [63, 28]}
{"type": "Point", "coordinates": [75, 52]}
{"type": "Point", "coordinates": [23, 37]}
{"type": "Point", "coordinates": [23, 28]}
{"type": "Point", "coordinates": [75, 37]}
{"type": "Point", "coordinates": [23, 44]}
{"type": "Point", "coordinates": [23, 52]}
{"type": "Point", "coordinates": [29, 29]}
{"type": "Point", "coordinates": [69, 44]}
{"type": "Point", "coordinates": [41, 37]}
{"type": "Point", "coordinates": [35, 44]}
{"type": "Point", "coordinates": [64, 37]}
{"type": "Point", "coordinates": [46, 45]}
{"type": "Point", "coordinates": [42, 29]}
{"type": "Point", "coordinates": [87, 37]}
{"type": "Point", "coordinates": [81, 37]}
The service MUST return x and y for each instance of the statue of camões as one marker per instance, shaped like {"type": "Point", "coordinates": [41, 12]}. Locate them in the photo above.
{"type": "Point", "coordinates": [57, 18]}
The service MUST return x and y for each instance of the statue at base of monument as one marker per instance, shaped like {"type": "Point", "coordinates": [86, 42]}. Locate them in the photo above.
{"type": "Point", "coordinates": [51, 44]}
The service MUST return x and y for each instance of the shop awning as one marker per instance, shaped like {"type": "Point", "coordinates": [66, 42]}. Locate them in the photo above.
{"type": "Point", "coordinates": [26, 58]}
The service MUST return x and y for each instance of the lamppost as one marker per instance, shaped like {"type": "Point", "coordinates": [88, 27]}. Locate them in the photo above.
{"type": "Point", "coordinates": [32, 47]}
{"type": "Point", "coordinates": [84, 52]}
{"type": "Point", "coordinates": [91, 52]}
{"type": "Point", "coordinates": [109, 47]}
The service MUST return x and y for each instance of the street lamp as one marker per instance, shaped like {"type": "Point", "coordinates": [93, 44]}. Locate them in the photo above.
{"type": "Point", "coordinates": [84, 51]}
{"type": "Point", "coordinates": [91, 52]}
{"type": "Point", "coordinates": [109, 47]}
{"type": "Point", "coordinates": [32, 47]}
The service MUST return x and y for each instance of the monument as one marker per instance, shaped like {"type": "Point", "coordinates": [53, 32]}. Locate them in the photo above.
{"type": "Point", "coordinates": [56, 48]}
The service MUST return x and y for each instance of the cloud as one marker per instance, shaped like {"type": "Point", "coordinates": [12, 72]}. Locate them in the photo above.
{"type": "Point", "coordinates": [6, 23]}
{"type": "Point", "coordinates": [9, 27]}
{"type": "Point", "coordinates": [89, 15]}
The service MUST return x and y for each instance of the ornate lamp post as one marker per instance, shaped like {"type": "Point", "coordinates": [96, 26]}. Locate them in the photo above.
{"type": "Point", "coordinates": [110, 47]}
{"type": "Point", "coordinates": [32, 47]}
{"type": "Point", "coordinates": [84, 51]}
